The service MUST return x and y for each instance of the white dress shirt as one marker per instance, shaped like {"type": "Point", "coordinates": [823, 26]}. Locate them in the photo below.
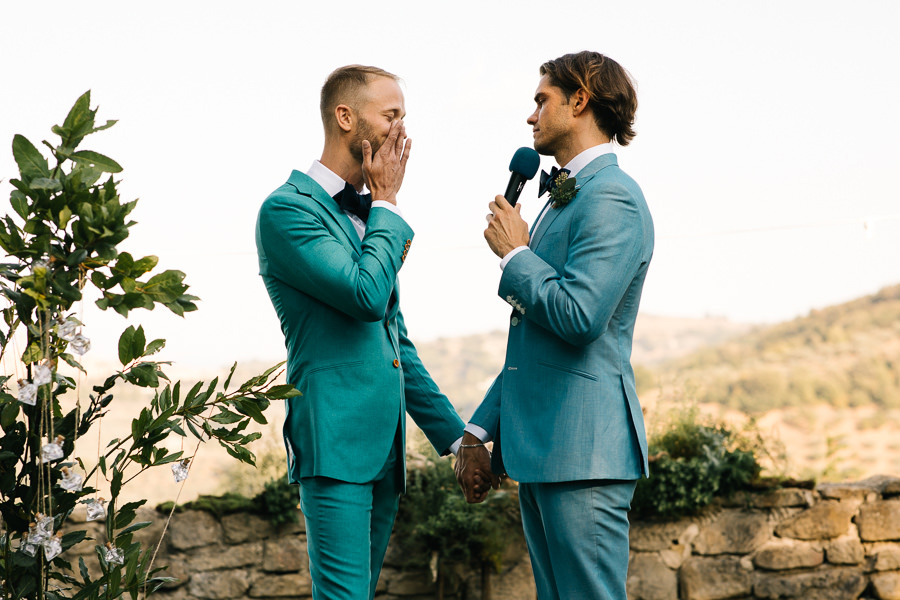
{"type": "Point", "coordinates": [332, 183]}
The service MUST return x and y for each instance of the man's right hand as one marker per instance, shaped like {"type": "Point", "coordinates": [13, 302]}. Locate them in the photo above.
{"type": "Point", "coordinates": [473, 470]}
{"type": "Point", "coordinates": [384, 172]}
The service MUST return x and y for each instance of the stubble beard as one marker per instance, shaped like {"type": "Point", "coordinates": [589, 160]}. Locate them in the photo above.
{"type": "Point", "coordinates": [364, 131]}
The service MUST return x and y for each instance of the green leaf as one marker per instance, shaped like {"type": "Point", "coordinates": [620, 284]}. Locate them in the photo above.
{"type": "Point", "coordinates": [65, 214]}
{"type": "Point", "coordinates": [230, 375]}
{"type": "Point", "coordinates": [138, 342]}
{"type": "Point", "coordinates": [282, 392]}
{"type": "Point", "coordinates": [9, 415]}
{"type": "Point", "coordinates": [126, 354]}
{"type": "Point", "coordinates": [19, 203]}
{"type": "Point", "coordinates": [32, 163]}
{"type": "Point", "coordinates": [97, 161]}
{"type": "Point", "coordinates": [45, 183]}
{"type": "Point", "coordinates": [33, 353]}
{"type": "Point", "coordinates": [154, 347]}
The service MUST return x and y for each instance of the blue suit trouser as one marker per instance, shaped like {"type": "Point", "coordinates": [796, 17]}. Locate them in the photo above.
{"type": "Point", "coordinates": [348, 526]}
{"type": "Point", "coordinates": [577, 536]}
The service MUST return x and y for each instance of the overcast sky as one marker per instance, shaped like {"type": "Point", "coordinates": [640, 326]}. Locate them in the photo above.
{"type": "Point", "coordinates": [768, 142]}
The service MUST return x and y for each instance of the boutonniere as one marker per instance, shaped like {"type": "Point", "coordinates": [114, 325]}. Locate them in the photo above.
{"type": "Point", "coordinates": [563, 190]}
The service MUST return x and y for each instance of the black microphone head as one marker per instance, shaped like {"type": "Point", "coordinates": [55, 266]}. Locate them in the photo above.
{"type": "Point", "coordinates": [525, 162]}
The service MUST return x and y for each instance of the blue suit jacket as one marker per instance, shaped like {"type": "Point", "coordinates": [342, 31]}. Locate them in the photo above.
{"type": "Point", "coordinates": [348, 352]}
{"type": "Point", "coordinates": [565, 408]}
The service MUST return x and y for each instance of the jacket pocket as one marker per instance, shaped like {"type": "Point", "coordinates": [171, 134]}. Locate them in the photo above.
{"type": "Point", "coordinates": [332, 367]}
{"type": "Point", "coordinates": [570, 370]}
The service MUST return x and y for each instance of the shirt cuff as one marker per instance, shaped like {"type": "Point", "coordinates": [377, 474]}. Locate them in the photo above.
{"type": "Point", "coordinates": [478, 432]}
{"type": "Point", "coordinates": [509, 256]}
{"type": "Point", "coordinates": [391, 207]}
{"type": "Point", "coordinates": [454, 447]}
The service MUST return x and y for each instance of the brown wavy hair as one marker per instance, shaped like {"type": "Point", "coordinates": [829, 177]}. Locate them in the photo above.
{"type": "Point", "coordinates": [613, 99]}
{"type": "Point", "coordinates": [344, 86]}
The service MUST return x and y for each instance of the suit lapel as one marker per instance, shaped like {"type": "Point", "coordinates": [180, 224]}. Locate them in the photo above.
{"type": "Point", "coordinates": [308, 187]}
{"type": "Point", "coordinates": [581, 179]}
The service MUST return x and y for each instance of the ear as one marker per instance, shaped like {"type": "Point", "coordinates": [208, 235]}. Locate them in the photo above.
{"type": "Point", "coordinates": [343, 115]}
{"type": "Point", "coordinates": [579, 101]}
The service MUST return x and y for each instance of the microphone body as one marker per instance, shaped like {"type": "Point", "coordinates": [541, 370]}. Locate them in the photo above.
{"type": "Point", "coordinates": [523, 166]}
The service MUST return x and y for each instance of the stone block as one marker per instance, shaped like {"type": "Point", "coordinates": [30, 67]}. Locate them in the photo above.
{"type": "Point", "coordinates": [177, 569]}
{"type": "Point", "coordinates": [783, 555]}
{"type": "Point", "coordinates": [887, 559]}
{"type": "Point", "coordinates": [210, 558]}
{"type": "Point", "coordinates": [242, 528]}
{"type": "Point", "coordinates": [411, 583]}
{"type": "Point", "coordinates": [285, 554]}
{"type": "Point", "coordinates": [650, 579]}
{"type": "Point", "coordinates": [648, 536]}
{"type": "Point", "coordinates": [783, 498]}
{"type": "Point", "coordinates": [733, 532]}
{"type": "Point", "coordinates": [887, 585]}
{"type": "Point", "coordinates": [714, 578]}
{"type": "Point", "coordinates": [824, 583]}
{"type": "Point", "coordinates": [879, 521]}
{"type": "Point", "coordinates": [192, 529]}
{"type": "Point", "coordinates": [845, 550]}
{"type": "Point", "coordinates": [826, 520]}
{"type": "Point", "coordinates": [514, 583]}
{"type": "Point", "coordinates": [891, 489]}
{"type": "Point", "coordinates": [281, 586]}
{"type": "Point", "coordinates": [219, 585]}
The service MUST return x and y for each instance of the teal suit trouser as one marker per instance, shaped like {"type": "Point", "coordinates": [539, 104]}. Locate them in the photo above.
{"type": "Point", "coordinates": [577, 536]}
{"type": "Point", "coordinates": [348, 526]}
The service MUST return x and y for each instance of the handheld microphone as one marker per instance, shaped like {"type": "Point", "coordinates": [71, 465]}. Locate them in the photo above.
{"type": "Point", "coordinates": [524, 165]}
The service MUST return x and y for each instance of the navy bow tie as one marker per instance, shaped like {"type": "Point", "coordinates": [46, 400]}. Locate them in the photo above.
{"type": "Point", "coordinates": [548, 181]}
{"type": "Point", "coordinates": [352, 201]}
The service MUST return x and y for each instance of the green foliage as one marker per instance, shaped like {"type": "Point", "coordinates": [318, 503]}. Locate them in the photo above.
{"type": "Point", "coordinates": [692, 463]}
{"type": "Point", "coordinates": [278, 501]}
{"type": "Point", "coordinates": [843, 356]}
{"type": "Point", "coordinates": [67, 222]}
{"type": "Point", "coordinates": [435, 518]}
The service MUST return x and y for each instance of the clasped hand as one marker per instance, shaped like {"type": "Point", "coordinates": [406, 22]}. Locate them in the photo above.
{"type": "Point", "coordinates": [473, 470]}
{"type": "Point", "coordinates": [384, 172]}
{"type": "Point", "coordinates": [506, 229]}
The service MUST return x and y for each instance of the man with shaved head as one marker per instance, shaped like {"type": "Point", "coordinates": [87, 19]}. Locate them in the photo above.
{"type": "Point", "coordinates": [329, 257]}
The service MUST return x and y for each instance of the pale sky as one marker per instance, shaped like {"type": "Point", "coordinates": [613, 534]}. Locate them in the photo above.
{"type": "Point", "coordinates": [768, 142]}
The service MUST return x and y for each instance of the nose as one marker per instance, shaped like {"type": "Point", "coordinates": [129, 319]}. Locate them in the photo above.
{"type": "Point", "coordinates": [532, 119]}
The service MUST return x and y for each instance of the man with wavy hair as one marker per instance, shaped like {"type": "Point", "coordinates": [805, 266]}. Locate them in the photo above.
{"type": "Point", "coordinates": [563, 414]}
{"type": "Point", "coordinates": [329, 257]}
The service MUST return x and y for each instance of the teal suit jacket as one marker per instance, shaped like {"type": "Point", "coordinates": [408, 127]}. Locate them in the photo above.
{"type": "Point", "coordinates": [347, 347]}
{"type": "Point", "coordinates": [565, 408]}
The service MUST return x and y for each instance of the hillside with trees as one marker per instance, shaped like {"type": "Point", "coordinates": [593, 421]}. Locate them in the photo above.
{"type": "Point", "coordinates": [847, 355]}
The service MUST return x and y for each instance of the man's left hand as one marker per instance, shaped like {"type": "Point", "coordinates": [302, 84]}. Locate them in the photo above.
{"type": "Point", "coordinates": [506, 229]}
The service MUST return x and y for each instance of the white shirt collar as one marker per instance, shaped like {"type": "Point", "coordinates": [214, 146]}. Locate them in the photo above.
{"type": "Point", "coordinates": [330, 181]}
{"type": "Point", "coordinates": [582, 160]}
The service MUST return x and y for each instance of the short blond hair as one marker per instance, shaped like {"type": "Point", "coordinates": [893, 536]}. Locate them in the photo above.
{"type": "Point", "coordinates": [345, 86]}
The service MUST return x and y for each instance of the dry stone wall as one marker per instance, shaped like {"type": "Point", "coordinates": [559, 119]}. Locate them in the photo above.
{"type": "Point", "coordinates": [839, 541]}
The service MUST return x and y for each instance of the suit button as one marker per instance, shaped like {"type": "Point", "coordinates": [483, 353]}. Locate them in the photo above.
{"type": "Point", "coordinates": [514, 321]}
{"type": "Point", "coordinates": [396, 363]}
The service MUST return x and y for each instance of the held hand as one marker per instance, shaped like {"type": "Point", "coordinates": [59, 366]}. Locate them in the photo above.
{"type": "Point", "coordinates": [506, 229]}
{"type": "Point", "coordinates": [384, 172]}
{"type": "Point", "coordinates": [473, 470]}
